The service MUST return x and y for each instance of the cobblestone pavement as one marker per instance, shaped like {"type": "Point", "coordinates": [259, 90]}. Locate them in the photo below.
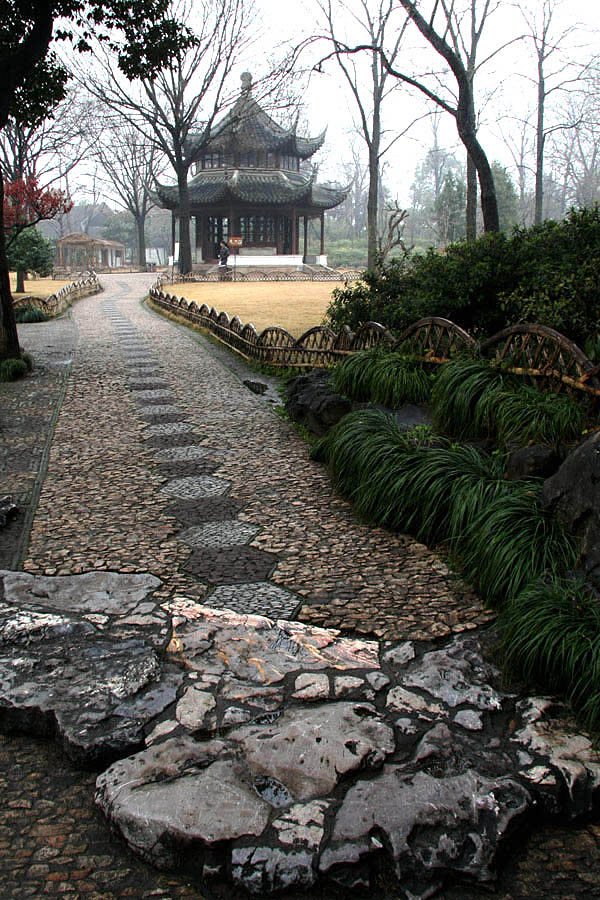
{"type": "Point", "coordinates": [151, 424]}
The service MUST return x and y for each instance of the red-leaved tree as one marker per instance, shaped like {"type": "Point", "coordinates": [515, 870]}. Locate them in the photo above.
{"type": "Point", "coordinates": [26, 203]}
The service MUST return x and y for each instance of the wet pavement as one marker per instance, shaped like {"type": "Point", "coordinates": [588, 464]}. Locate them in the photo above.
{"type": "Point", "coordinates": [127, 421]}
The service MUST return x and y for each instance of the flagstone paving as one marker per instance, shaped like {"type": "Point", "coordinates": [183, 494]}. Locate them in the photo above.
{"type": "Point", "coordinates": [163, 464]}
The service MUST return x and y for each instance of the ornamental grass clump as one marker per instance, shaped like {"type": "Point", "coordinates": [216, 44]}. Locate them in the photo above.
{"type": "Point", "coordinates": [389, 378]}
{"type": "Point", "coordinates": [26, 314]}
{"type": "Point", "coordinates": [496, 529]}
{"type": "Point", "coordinates": [551, 635]}
{"type": "Point", "coordinates": [466, 394]}
{"type": "Point", "coordinates": [511, 540]}
{"type": "Point", "coordinates": [528, 416]}
{"type": "Point", "coordinates": [12, 369]}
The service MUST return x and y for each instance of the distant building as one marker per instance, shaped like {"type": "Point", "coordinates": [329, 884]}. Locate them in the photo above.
{"type": "Point", "coordinates": [250, 185]}
{"type": "Point", "coordinates": [82, 251]}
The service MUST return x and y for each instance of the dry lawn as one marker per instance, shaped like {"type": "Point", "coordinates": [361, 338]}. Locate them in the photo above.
{"type": "Point", "coordinates": [296, 306]}
{"type": "Point", "coordinates": [37, 287]}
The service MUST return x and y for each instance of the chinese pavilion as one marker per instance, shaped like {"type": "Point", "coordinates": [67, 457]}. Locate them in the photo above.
{"type": "Point", "coordinates": [251, 184]}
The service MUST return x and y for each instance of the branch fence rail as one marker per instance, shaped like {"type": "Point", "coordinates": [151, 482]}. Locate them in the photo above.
{"type": "Point", "coordinates": [56, 303]}
{"type": "Point", "coordinates": [540, 354]}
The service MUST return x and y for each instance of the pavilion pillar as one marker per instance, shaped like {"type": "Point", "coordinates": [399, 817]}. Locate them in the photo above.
{"type": "Point", "coordinates": [173, 234]}
{"type": "Point", "coordinates": [294, 233]}
{"type": "Point", "coordinates": [305, 240]}
{"type": "Point", "coordinates": [322, 234]}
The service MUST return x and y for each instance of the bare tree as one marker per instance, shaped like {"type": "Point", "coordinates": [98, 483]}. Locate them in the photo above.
{"type": "Point", "coordinates": [130, 162]}
{"type": "Point", "coordinates": [443, 30]}
{"type": "Point", "coordinates": [373, 21]}
{"type": "Point", "coordinates": [175, 110]}
{"type": "Point", "coordinates": [391, 235]}
{"type": "Point", "coordinates": [48, 149]}
{"type": "Point", "coordinates": [562, 75]}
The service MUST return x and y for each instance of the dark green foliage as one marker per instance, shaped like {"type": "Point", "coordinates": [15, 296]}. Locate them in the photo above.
{"type": "Point", "coordinates": [551, 634]}
{"type": "Point", "coordinates": [439, 491]}
{"type": "Point", "coordinates": [528, 416]}
{"type": "Point", "coordinates": [474, 399]}
{"type": "Point", "coordinates": [549, 274]}
{"type": "Point", "coordinates": [380, 376]}
{"type": "Point", "coordinates": [30, 314]}
{"type": "Point", "coordinates": [465, 396]}
{"type": "Point", "coordinates": [30, 251]}
{"type": "Point", "coordinates": [11, 369]}
{"type": "Point", "coordinates": [512, 540]}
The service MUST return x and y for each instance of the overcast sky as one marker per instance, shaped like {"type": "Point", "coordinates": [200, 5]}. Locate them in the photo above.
{"type": "Point", "coordinates": [506, 90]}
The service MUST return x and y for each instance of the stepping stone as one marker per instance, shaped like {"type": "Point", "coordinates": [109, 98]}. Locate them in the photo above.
{"type": "Point", "coordinates": [166, 409]}
{"type": "Point", "coordinates": [208, 509]}
{"type": "Point", "coordinates": [261, 598]}
{"type": "Point", "coordinates": [170, 440]}
{"type": "Point", "coordinates": [187, 467]}
{"type": "Point", "coordinates": [219, 534]}
{"type": "Point", "coordinates": [192, 488]}
{"type": "Point", "coordinates": [169, 428]}
{"type": "Point", "coordinates": [231, 565]}
{"type": "Point", "coordinates": [178, 454]}
{"type": "Point", "coordinates": [150, 395]}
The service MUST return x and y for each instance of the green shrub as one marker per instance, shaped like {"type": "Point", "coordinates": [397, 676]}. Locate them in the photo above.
{"type": "Point", "coordinates": [11, 369]}
{"type": "Point", "coordinates": [30, 314]}
{"type": "Point", "coordinates": [549, 274]}
{"type": "Point", "coordinates": [551, 634]}
{"type": "Point", "coordinates": [384, 377]}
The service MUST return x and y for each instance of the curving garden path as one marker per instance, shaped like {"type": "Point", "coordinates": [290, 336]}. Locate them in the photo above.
{"type": "Point", "coordinates": [186, 495]}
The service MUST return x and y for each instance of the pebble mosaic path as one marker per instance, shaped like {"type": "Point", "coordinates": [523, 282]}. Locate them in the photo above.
{"type": "Point", "coordinates": [163, 462]}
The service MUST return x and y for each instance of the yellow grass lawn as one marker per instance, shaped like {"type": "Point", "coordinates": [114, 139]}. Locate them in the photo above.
{"type": "Point", "coordinates": [295, 305]}
{"type": "Point", "coordinates": [37, 287]}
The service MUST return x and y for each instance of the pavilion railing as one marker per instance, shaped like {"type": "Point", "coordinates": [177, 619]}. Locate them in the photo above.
{"type": "Point", "coordinates": [539, 354]}
{"type": "Point", "coordinates": [233, 273]}
{"type": "Point", "coordinates": [56, 303]}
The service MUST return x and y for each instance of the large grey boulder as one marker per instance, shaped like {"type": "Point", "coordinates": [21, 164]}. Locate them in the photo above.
{"type": "Point", "coordinates": [311, 401]}
{"type": "Point", "coordinates": [573, 495]}
{"type": "Point", "coordinates": [70, 665]}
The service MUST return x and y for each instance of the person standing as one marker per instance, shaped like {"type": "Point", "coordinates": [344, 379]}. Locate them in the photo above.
{"type": "Point", "coordinates": [223, 253]}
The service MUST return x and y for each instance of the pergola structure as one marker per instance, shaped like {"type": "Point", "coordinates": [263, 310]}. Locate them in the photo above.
{"type": "Point", "coordinates": [82, 251]}
{"type": "Point", "coordinates": [251, 189]}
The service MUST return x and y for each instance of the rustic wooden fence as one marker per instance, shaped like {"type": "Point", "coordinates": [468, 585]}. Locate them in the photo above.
{"type": "Point", "coordinates": [58, 302]}
{"type": "Point", "coordinates": [540, 354]}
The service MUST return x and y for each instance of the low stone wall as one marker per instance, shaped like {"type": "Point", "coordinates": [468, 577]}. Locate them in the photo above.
{"type": "Point", "coordinates": [56, 303]}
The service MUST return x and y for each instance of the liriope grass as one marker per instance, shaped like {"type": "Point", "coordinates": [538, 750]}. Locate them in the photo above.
{"type": "Point", "coordinates": [443, 492]}
{"type": "Point", "coordinates": [512, 540]}
{"type": "Point", "coordinates": [528, 416]}
{"type": "Point", "coordinates": [551, 634]}
{"type": "Point", "coordinates": [465, 394]}
{"type": "Point", "coordinates": [391, 379]}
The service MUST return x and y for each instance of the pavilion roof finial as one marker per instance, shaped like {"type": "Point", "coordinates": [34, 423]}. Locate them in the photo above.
{"type": "Point", "coordinates": [246, 79]}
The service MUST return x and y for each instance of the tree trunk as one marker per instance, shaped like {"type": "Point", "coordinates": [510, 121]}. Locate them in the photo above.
{"type": "Point", "coordinates": [9, 340]}
{"type": "Point", "coordinates": [372, 203]}
{"type": "Point", "coordinates": [539, 147]}
{"type": "Point", "coordinates": [471, 210]}
{"type": "Point", "coordinates": [185, 244]}
{"type": "Point", "coordinates": [20, 281]}
{"type": "Point", "coordinates": [141, 240]}
{"type": "Point", "coordinates": [465, 124]}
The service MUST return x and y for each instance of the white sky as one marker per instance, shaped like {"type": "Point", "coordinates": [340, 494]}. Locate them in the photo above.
{"type": "Point", "coordinates": [507, 81]}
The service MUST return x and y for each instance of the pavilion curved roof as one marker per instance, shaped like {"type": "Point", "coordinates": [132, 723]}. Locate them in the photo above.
{"type": "Point", "coordinates": [256, 186]}
{"type": "Point", "coordinates": [247, 126]}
